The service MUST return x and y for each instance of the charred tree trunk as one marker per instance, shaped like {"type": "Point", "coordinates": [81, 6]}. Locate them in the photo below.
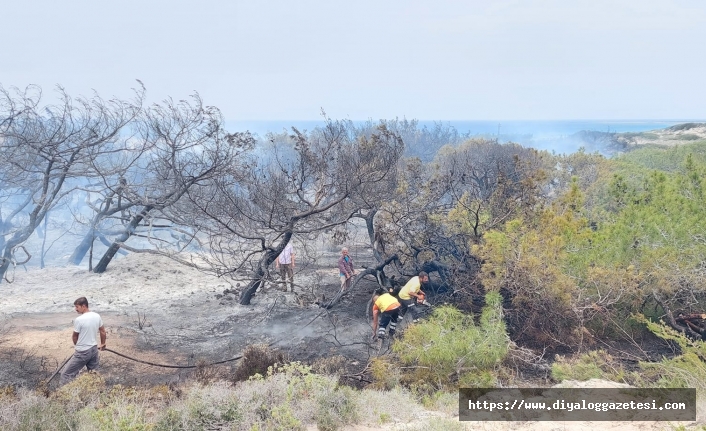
{"type": "Point", "coordinates": [18, 238]}
{"type": "Point", "coordinates": [258, 275]}
{"type": "Point", "coordinates": [115, 246]}
{"type": "Point", "coordinates": [258, 278]}
{"type": "Point", "coordinates": [377, 243]}
{"type": "Point", "coordinates": [44, 241]}
{"type": "Point", "coordinates": [81, 250]}
{"type": "Point", "coordinates": [106, 210]}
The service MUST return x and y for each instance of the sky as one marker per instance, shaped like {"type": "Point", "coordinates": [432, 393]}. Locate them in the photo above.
{"type": "Point", "coordinates": [363, 59]}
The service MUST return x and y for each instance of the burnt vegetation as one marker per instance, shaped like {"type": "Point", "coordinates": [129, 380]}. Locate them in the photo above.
{"type": "Point", "coordinates": [573, 244]}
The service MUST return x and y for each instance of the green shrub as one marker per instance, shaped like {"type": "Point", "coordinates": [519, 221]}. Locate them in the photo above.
{"type": "Point", "coordinates": [687, 137]}
{"type": "Point", "coordinates": [446, 402]}
{"type": "Point", "coordinates": [449, 347]}
{"type": "Point", "coordinates": [282, 419]}
{"type": "Point", "coordinates": [170, 420]}
{"type": "Point", "coordinates": [687, 370]}
{"type": "Point", "coordinates": [118, 416]}
{"type": "Point", "coordinates": [386, 375]}
{"type": "Point", "coordinates": [85, 390]}
{"type": "Point", "coordinates": [336, 409]}
{"type": "Point", "coordinates": [596, 364]}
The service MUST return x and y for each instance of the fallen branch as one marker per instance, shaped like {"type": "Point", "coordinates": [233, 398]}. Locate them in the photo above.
{"type": "Point", "coordinates": [671, 321]}
{"type": "Point", "coordinates": [342, 293]}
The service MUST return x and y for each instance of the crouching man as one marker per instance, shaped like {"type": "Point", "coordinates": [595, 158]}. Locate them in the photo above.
{"type": "Point", "coordinates": [411, 293]}
{"type": "Point", "coordinates": [86, 327]}
{"type": "Point", "coordinates": [387, 308]}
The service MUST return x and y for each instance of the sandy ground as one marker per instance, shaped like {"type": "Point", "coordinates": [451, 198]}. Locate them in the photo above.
{"type": "Point", "coordinates": [159, 311]}
{"type": "Point", "coordinates": [163, 312]}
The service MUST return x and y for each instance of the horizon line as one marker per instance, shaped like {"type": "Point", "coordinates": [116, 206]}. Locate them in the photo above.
{"type": "Point", "coordinates": [622, 120]}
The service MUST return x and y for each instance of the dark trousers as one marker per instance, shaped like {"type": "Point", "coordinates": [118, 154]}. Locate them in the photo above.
{"type": "Point", "coordinates": [286, 271]}
{"type": "Point", "coordinates": [87, 358]}
{"type": "Point", "coordinates": [409, 304]}
{"type": "Point", "coordinates": [388, 318]}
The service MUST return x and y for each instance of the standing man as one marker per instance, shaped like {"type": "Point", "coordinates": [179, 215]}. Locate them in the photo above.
{"type": "Point", "coordinates": [345, 268]}
{"type": "Point", "coordinates": [410, 293]}
{"type": "Point", "coordinates": [285, 264]}
{"type": "Point", "coordinates": [86, 327]}
{"type": "Point", "coordinates": [387, 307]}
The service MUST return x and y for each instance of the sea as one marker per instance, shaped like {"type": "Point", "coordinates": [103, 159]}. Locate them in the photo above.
{"type": "Point", "coordinates": [558, 136]}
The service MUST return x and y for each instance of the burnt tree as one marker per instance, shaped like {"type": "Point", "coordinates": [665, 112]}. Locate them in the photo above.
{"type": "Point", "coordinates": [298, 185]}
{"type": "Point", "coordinates": [186, 146]}
{"type": "Point", "coordinates": [48, 152]}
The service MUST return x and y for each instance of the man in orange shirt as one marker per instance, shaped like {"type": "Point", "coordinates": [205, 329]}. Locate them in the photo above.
{"type": "Point", "coordinates": [387, 308]}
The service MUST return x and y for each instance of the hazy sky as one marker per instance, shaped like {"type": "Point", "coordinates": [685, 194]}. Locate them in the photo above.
{"type": "Point", "coordinates": [431, 60]}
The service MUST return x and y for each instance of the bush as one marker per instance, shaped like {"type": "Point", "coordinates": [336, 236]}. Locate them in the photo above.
{"type": "Point", "coordinates": [333, 365]}
{"type": "Point", "coordinates": [83, 391]}
{"type": "Point", "coordinates": [446, 402]}
{"type": "Point", "coordinates": [257, 359]}
{"type": "Point", "coordinates": [596, 364]}
{"type": "Point", "coordinates": [337, 408]}
{"type": "Point", "coordinates": [118, 415]}
{"type": "Point", "coordinates": [170, 420]}
{"type": "Point", "coordinates": [449, 347]}
{"type": "Point", "coordinates": [45, 415]}
{"type": "Point", "coordinates": [687, 370]}
{"type": "Point", "coordinates": [386, 375]}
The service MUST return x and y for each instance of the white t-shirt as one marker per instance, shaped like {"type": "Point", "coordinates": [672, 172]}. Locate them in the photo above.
{"type": "Point", "coordinates": [285, 258]}
{"type": "Point", "coordinates": [87, 326]}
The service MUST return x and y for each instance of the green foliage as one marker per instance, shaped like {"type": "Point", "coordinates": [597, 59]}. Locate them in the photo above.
{"type": "Point", "coordinates": [85, 390]}
{"type": "Point", "coordinates": [666, 159]}
{"type": "Point", "coordinates": [687, 370]}
{"type": "Point", "coordinates": [283, 419]}
{"type": "Point", "coordinates": [687, 137]}
{"type": "Point", "coordinates": [336, 409]}
{"type": "Point", "coordinates": [532, 260]}
{"type": "Point", "coordinates": [170, 420]}
{"type": "Point", "coordinates": [657, 231]}
{"type": "Point", "coordinates": [442, 401]}
{"type": "Point", "coordinates": [644, 135]}
{"type": "Point", "coordinates": [596, 364]}
{"type": "Point", "coordinates": [386, 375]}
{"type": "Point", "coordinates": [118, 416]}
{"type": "Point", "coordinates": [450, 346]}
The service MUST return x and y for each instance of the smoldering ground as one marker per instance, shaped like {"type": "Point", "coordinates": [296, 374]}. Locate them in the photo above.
{"type": "Point", "coordinates": [159, 311]}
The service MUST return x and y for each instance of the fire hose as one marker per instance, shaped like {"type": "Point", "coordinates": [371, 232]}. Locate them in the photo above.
{"type": "Point", "coordinates": [149, 363]}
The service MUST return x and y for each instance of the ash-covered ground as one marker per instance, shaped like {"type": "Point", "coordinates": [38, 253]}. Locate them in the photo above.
{"type": "Point", "coordinates": [160, 311]}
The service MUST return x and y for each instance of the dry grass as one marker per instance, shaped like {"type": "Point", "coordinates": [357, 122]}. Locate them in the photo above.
{"type": "Point", "coordinates": [287, 397]}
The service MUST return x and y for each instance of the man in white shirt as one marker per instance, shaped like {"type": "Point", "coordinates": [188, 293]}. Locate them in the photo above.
{"type": "Point", "coordinates": [285, 264]}
{"type": "Point", "coordinates": [86, 327]}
